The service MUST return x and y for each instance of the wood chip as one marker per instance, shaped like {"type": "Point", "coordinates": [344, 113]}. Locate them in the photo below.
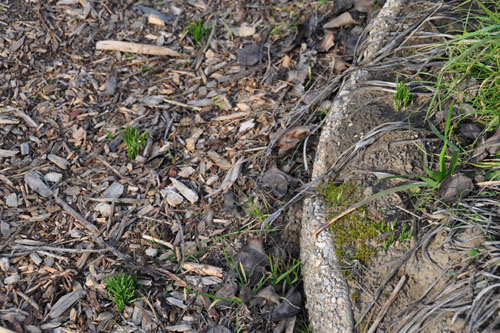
{"type": "Point", "coordinates": [26, 118]}
{"type": "Point", "coordinates": [114, 191]}
{"type": "Point", "coordinates": [220, 161]}
{"type": "Point", "coordinates": [230, 178]}
{"type": "Point", "coordinates": [59, 161]}
{"type": "Point", "coordinates": [232, 116]}
{"type": "Point", "coordinates": [114, 45]}
{"type": "Point", "coordinates": [203, 269]}
{"type": "Point", "coordinates": [65, 302]}
{"type": "Point", "coordinates": [36, 183]}
{"type": "Point", "coordinates": [185, 191]}
{"type": "Point", "coordinates": [8, 153]}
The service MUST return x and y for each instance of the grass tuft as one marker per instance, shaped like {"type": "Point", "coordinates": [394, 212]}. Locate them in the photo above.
{"type": "Point", "coordinates": [198, 31]}
{"type": "Point", "coordinates": [402, 96]}
{"type": "Point", "coordinates": [134, 141]}
{"type": "Point", "coordinates": [122, 286]}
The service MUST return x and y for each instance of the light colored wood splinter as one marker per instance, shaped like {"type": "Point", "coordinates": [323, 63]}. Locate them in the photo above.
{"type": "Point", "coordinates": [115, 45]}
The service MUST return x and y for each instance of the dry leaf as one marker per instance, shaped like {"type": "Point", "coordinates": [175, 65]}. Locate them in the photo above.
{"type": "Point", "coordinates": [79, 135]}
{"type": "Point", "coordinates": [364, 6]}
{"type": "Point", "coordinates": [339, 66]}
{"type": "Point", "coordinates": [291, 138]}
{"type": "Point", "coordinates": [286, 61]}
{"type": "Point", "coordinates": [327, 41]}
{"type": "Point", "coordinates": [340, 21]}
{"type": "Point", "coordinates": [490, 146]}
{"type": "Point", "coordinates": [454, 188]}
{"type": "Point", "coordinates": [290, 306]}
{"type": "Point", "coordinates": [269, 294]}
{"type": "Point", "coordinates": [230, 178]}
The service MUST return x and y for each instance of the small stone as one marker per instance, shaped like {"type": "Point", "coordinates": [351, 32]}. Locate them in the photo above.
{"type": "Point", "coordinates": [11, 200]}
{"type": "Point", "coordinates": [249, 55]}
{"type": "Point", "coordinates": [114, 191]}
{"type": "Point", "coordinates": [52, 177]}
{"type": "Point", "coordinates": [104, 209]}
{"type": "Point", "coordinates": [209, 54]}
{"type": "Point", "coordinates": [246, 31]}
{"type": "Point", "coordinates": [151, 252]}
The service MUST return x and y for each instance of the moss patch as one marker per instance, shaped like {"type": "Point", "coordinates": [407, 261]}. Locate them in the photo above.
{"type": "Point", "coordinates": [354, 233]}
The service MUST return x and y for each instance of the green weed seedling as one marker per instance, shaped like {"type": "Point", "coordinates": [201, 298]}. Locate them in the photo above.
{"type": "Point", "coordinates": [436, 177]}
{"type": "Point", "coordinates": [392, 234]}
{"type": "Point", "coordinates": [197, 31]}
{"type": "Point", "coordinates": [233, 299]}
{"type": "Point", "coordinates": [288, 274]}
{"type": "Point", "coordinates": [122, 286]}
{"type": "Point", "coordinates": [134, 141]}
{"type": "Point", "coordinates": [402, 96]}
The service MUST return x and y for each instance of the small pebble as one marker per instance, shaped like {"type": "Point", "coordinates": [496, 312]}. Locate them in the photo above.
{"type": "Point", "coordinates": [11, 200]}
{"type": "Point", "coordinates": [151, 252]}
{"type": "Point", "coordinates": [103, 208]}
{"type": "Point", "coordinates": [52, 177]}
{"type": "Point", "coordinates": [114, 191]}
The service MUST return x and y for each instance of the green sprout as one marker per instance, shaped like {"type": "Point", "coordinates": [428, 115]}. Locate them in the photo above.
{"type": "Point", "coordinates": [402, 96]}
{"type": "Point", "coordinates": [122, 287]}
{"type": "Point", "coordinates": [197, 31]}
{"type": "Point", "coordinates": [134, 141]}
{"type": "Point", "coordinates": [436, 177]}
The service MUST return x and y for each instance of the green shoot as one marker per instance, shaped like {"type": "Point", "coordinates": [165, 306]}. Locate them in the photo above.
{"type": "Point", "coordinates": [436, 177]}
{"type": "Point", "coordinates": [122, 287]}
{"type": "Point", "coordinates": [217, 298]}
{"type": "Point", "coordinates": [134, 141]}
{"type": "Point", "coordinates": [197, 31]}
{"type": "Point", "coordinates": [402, 96]}
{"type": "Point", "coordinates": [108, 134]}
